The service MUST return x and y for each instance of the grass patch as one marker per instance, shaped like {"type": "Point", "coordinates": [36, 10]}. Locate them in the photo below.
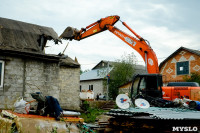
{"type": "Point", "coordinates": [91, 114]}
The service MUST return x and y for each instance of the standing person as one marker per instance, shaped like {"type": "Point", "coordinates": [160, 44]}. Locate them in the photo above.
{"type": "Point", "coordinates": [97, 97]}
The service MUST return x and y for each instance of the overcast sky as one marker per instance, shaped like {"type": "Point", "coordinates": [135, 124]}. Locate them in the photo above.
{"type": "Point", "coordinates": [166, 24]}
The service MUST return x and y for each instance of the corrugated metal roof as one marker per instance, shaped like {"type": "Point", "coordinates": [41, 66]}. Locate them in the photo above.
{"type": "Point", "coordinates": [158, 113]}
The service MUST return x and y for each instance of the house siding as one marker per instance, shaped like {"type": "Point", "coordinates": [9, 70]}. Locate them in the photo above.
{"type": "Point", "coordinates": [169, 71]}
{"type": "Point", "coordinates": [98, 86]}
{"type": "Point", "coordinates": [24, 76]}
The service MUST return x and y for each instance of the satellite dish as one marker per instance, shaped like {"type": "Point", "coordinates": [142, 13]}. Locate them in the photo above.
{"type": "Point", "coordinates": [123, 101]}
{"type": "Point", "coordinates": [142, 103]}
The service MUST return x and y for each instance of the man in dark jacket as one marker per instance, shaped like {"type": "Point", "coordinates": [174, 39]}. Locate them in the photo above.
{"type": "Point", "coordinates": [47, 105]}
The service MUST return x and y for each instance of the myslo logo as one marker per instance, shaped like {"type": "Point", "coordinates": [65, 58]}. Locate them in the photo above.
{"type": "Point", "coordinates": [185, 129]}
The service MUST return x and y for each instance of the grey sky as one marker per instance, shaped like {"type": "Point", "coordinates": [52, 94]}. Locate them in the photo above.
{"type": "Point", "coordinates": [166, 24]}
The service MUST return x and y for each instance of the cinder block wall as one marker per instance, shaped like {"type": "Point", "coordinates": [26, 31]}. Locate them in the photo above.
{"type": "Point", "coordinates": [69, 82]}
{"type": "Point", "coordinates": [24, 76]}
{"type": "Point", "coordinates": [13, 82]}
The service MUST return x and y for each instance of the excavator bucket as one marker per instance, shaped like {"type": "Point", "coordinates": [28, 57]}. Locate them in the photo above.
{"type": "Point", "coordinates": [69, 33]}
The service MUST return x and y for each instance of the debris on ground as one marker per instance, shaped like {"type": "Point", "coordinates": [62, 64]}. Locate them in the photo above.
{"type": "Point", "coordinates": [11, 121]}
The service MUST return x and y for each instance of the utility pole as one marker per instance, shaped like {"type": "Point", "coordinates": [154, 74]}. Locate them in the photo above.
{"type": "Point", "coordinates": [107, 98]}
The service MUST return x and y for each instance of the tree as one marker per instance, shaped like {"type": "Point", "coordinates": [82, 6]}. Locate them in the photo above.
{"type": "Point", "coordinates": [81, 71]}
{"type": "Point", "coordinates": [121, 73]}
{"type": "Point", "coordinates": [194, 77]}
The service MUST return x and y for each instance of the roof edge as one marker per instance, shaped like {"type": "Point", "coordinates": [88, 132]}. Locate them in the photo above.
{"type": "Point", "coordinates": [181, 48]}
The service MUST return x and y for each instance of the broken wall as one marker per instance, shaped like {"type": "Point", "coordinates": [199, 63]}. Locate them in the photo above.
{"type": "Point", "coordinates": [23, 76]}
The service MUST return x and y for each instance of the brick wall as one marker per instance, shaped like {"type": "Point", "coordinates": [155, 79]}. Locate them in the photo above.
{"type": "Point", "coordinates": [24, 76]}
{"type": "Point", "coordinates": [169, 72]}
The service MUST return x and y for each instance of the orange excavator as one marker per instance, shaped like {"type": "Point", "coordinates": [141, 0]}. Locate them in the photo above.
{"type": "Point", "coordinates": [146, 85]}
{"type": "Point", "coordinates": [137, 42]}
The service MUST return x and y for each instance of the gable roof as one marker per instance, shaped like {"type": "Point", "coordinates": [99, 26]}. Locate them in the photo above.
{"type": "Point", "coordinates": [95, 74]}
{"type": "Point", "coordinates": [16, 35]}
{"type": "Point", "coordinates": [197, 52]}
{"type": "Point", "coordinates": [103, 64]}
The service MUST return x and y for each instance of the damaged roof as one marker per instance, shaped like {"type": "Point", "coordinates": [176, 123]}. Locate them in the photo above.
{"type": "Point", "coordinates": [28, 40]}
{"type": "Point", "coordinates": [17, 35]}
{"type": "Point", "coordinates": [67, 61]}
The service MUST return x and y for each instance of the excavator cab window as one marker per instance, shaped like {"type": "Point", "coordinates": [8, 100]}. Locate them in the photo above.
{"type": "Point", "coordinates": [142, 84]}
{"type": "Point", "coordinates": [153, 86]}
{"type": "Point", "coordinates": [135, 85]}
{"type": "Point", "coordinates": [146, 85]}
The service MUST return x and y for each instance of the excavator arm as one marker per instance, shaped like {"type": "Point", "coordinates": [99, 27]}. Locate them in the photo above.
{"type": "Point", "coordinates": [94, 28]}
{"type": "Point", "coordinates": [137, 42]}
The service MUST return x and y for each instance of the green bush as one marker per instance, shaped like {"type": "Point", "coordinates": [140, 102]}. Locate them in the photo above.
{"type": "Point", "coordinates": [90, 115]}
{"type": "Point", "coordinates": [85, 105]}
{"type": "Point", "coordinates": [194, 77]}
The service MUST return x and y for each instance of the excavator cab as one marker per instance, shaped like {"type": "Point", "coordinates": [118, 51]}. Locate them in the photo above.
{"type": "Point", "coordinates": [147, 86]}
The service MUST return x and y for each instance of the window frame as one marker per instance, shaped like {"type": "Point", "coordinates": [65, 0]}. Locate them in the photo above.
{"type": "Point", "coordinates": [91, 87]}
{"type": "Point", "coordinates": [2, 74]}
{"type": "Point", "coordinates": [178, 71]}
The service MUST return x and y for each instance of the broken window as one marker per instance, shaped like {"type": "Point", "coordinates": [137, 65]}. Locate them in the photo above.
{"type": "Point", "coordinates": [42, 42]}
{"type": "Point", "coordinates": [1, 73]}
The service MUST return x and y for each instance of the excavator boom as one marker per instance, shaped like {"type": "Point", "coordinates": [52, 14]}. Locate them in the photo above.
{"type": "Point", "coordinates": [137, 42]}
{"type": "Point", "coordinates": [94, 28]}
